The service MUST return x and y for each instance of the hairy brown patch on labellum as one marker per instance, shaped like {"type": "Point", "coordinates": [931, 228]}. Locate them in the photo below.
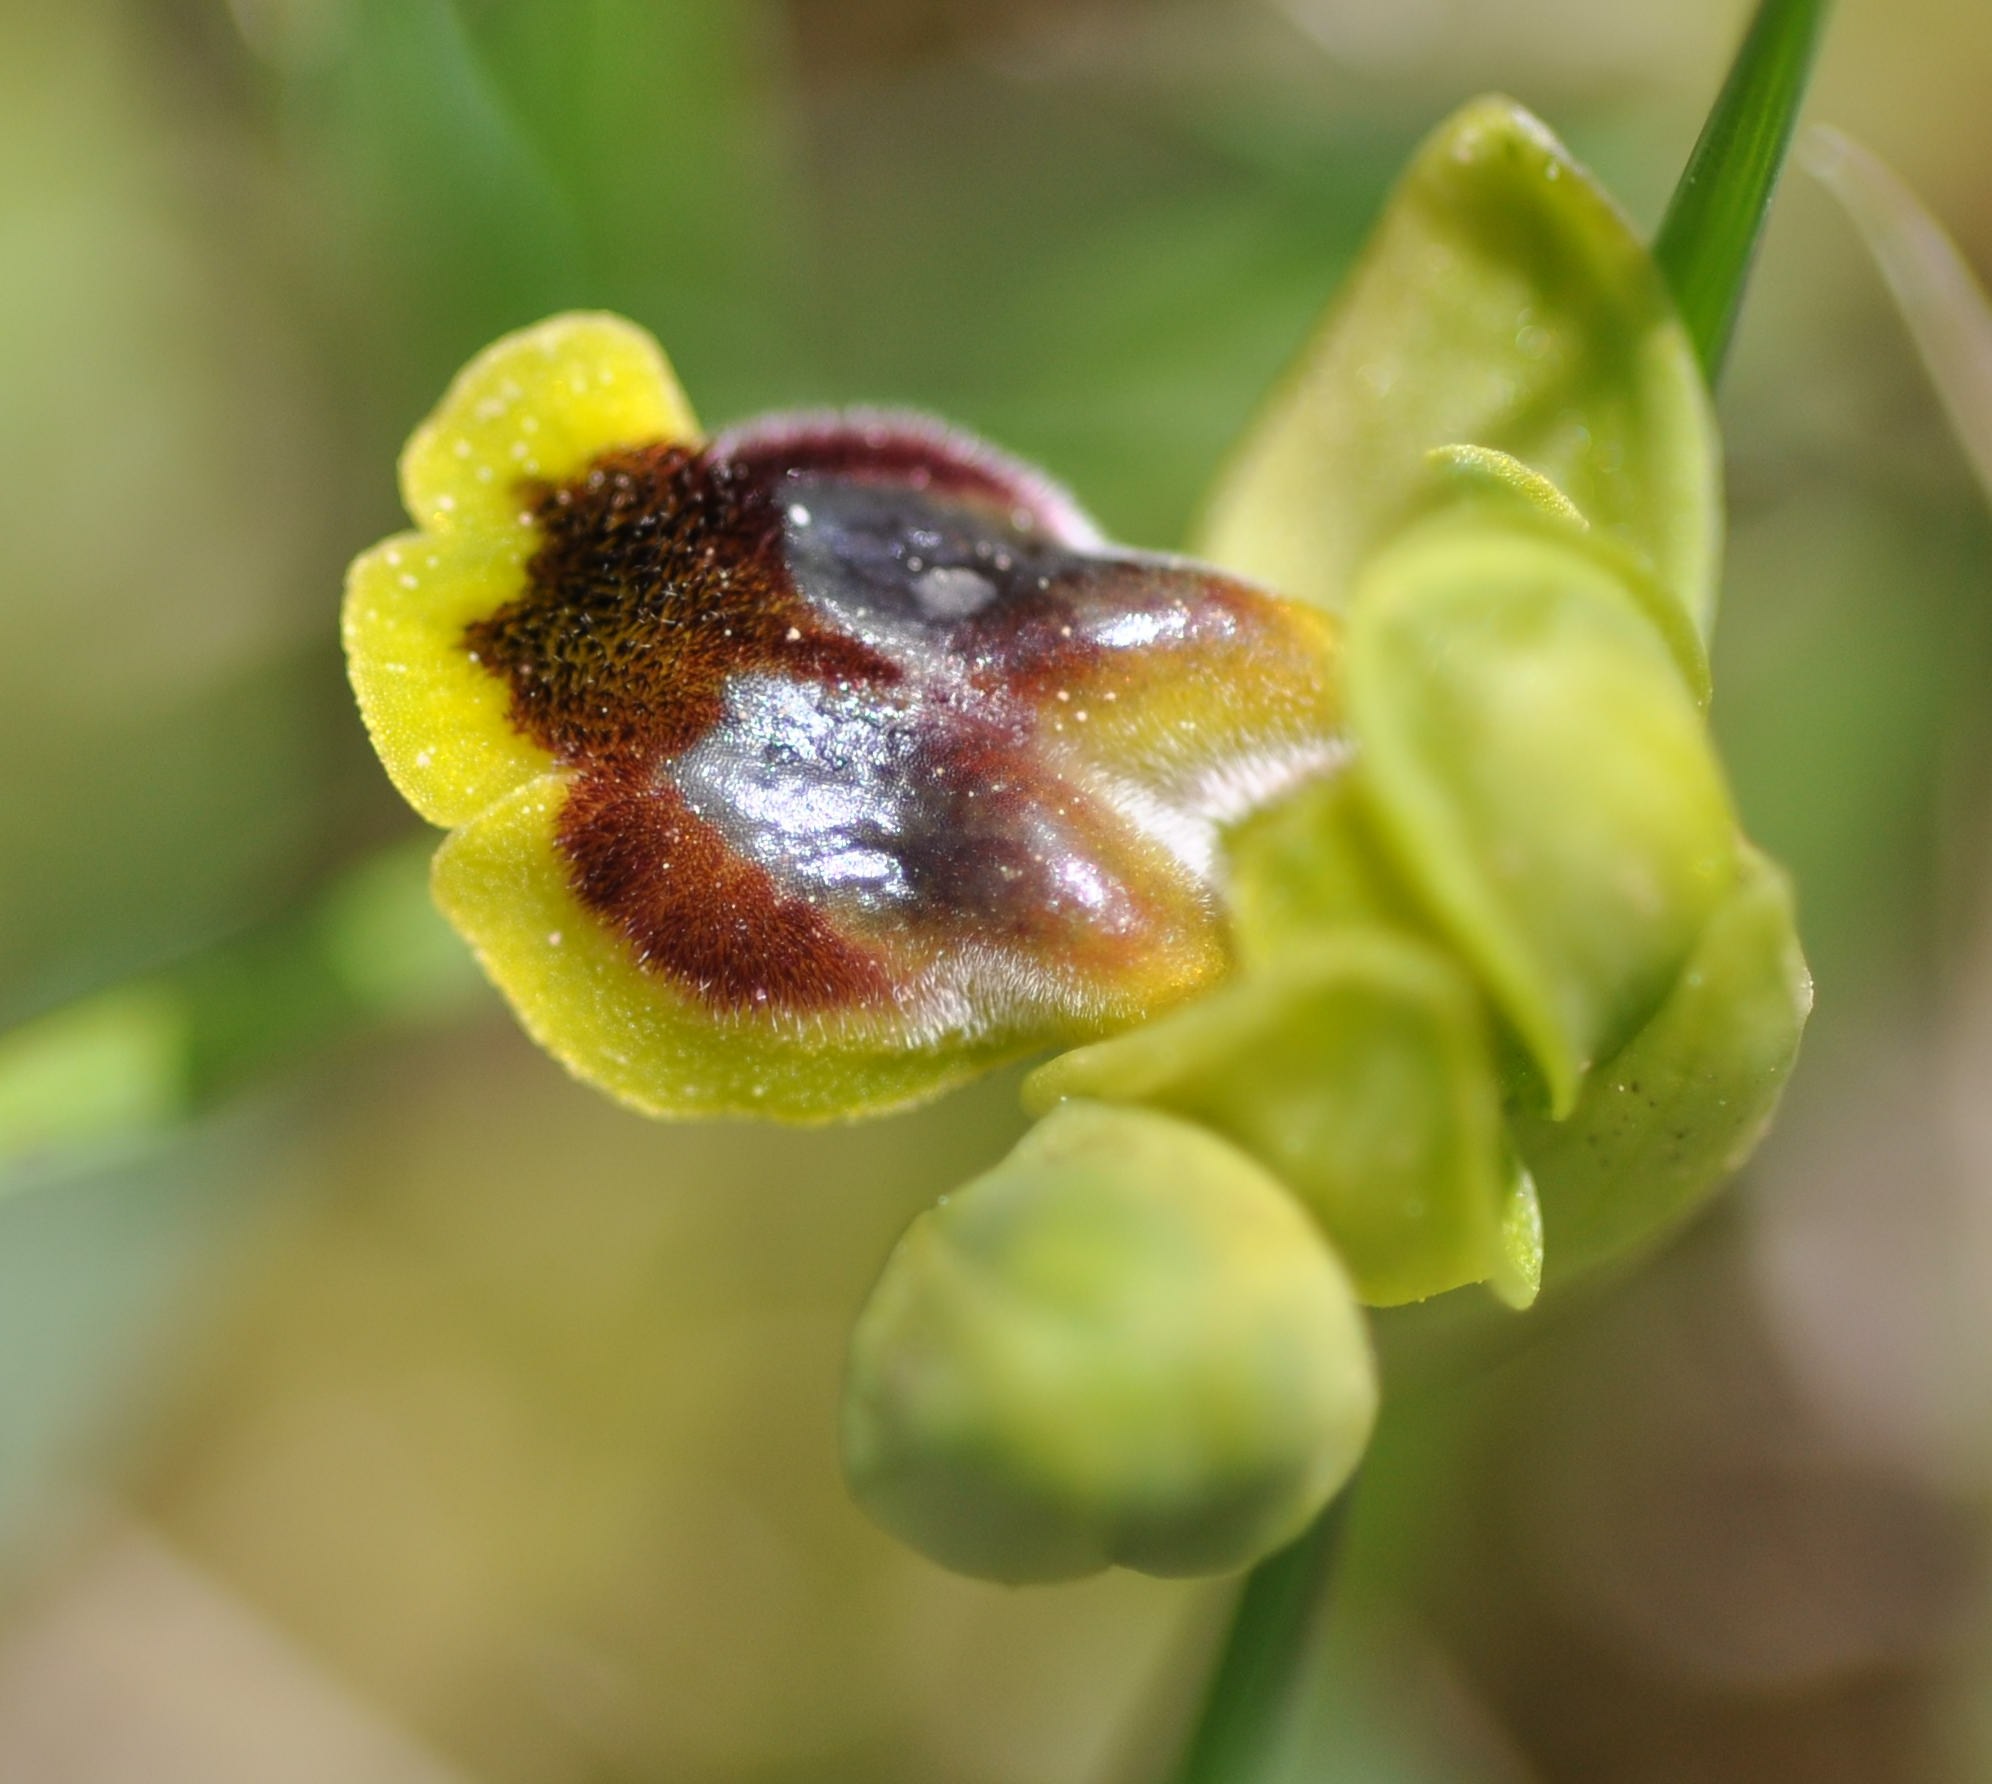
{"type": "Point", "coordinates": [800, 676]}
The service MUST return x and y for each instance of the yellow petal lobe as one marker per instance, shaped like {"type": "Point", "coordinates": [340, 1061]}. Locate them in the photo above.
{"type": "Point", "coordinates": [439, 721]}
{"type": "Point", "coordinates": [583, 996]}
{"type": "Point", "coordinates": [536, 407]}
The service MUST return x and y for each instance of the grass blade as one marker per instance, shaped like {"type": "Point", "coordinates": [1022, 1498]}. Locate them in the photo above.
{"type": "Point", "coordinates": [130, 1064]}
{"type": "Point", "coordinates": [1709, 235]}
{"type": "Point", "coordinates": [1948, 312]}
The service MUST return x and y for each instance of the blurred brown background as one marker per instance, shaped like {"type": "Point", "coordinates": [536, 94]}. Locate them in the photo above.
{"type": "Point", "coordinates": [418, 1417]}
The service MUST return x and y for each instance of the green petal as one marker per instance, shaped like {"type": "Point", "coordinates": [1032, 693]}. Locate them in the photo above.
{"type": "Point", "coordinates": [1358, 1070]}
{"type": "Point", "coordinates": [1470, 478]}
{"type": "Point", "coordinates": [1687, 1099]}
{"type": "Point", "coordinates": [1308, 865]}
{"type": "Point", "coordinates": [1540, 774]}
{"type": "Point", "coordinates": [1124, 1345]}
{"type": "Point", "coordinates": [1504, 302]}
{"type": "Point", "coordinates": [1482, 468]}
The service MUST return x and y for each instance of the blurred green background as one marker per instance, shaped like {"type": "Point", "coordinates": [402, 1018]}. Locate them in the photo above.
{"type": "Point", "coordinates": [415, 1415]}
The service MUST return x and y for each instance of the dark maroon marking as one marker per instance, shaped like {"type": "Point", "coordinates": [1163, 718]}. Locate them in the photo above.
{"type": "Point", "coordinates": [906, 452]}
{"type": "Point", "coordinates": [1050, 614]}
{"type": "Point", "coordinates": [796, 750]}
{"type": "Point", "coordinates": [689, 905]}
{"type": "Point", "coordinates": [1056, 637]}
{"type": "Point", "coordinates": [660, 574]}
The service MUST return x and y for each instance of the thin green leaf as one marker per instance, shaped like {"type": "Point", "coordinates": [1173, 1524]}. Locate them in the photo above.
{"type": "Point", "coordinates": [135, 1061]}
{"type": "Point", "coordinates": [1946, 308]}
{"type": "Point", "coordinates": [1709, 236]}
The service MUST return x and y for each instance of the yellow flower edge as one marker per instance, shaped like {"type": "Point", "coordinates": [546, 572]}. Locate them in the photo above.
{"type": "Point", "coordinates": [535, 407]}
{"type": "Point", "coordinates": [503, 884]}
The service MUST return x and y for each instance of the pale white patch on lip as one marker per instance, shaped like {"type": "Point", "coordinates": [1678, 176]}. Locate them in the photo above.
{"type": "Point", "coordinates": [953, 593]}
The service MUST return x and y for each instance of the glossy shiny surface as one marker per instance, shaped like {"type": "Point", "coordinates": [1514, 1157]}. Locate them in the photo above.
{"type": "Point", "coordinates": [863, 715]}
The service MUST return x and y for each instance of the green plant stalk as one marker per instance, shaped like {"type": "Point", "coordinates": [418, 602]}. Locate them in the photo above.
{"type": "Point", "coordinates": [136, 1061]}
{"type": "Point", "coordinates": [1261, 1675]}
{"type": "Point", "coordinates": [1705, 248]}
{"type": "Point", "coordinates": [1709, 235]}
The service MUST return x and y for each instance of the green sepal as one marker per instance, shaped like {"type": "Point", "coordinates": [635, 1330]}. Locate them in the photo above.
{"type": "Point", "coordinates": [1359, 1072]}
{"type": "Point", "coordinates": [1540, 773]}
{"type": "Point", "coordinates": [1126, 1344]}
{"type": "Point", "coordinates": [1502, 301]}
{"type": "Point", "coordinates": [1685, 1102]}
{"type": "Point", "coordinates": [1308, 865]}
{"type": "Point", "coordinates": [1486, 471]}
{"type": "Point", "coordinates": [1467, 479]}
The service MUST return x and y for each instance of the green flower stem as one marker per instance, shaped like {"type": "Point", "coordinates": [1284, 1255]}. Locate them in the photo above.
{"type": "Point", "coordinates": [1247, 1714]}
{"type": "Point", "coordinates": [1709, 236]}
{"type": "Point", "coordinates": [1261, 1673]}
{"type": "Point", "coordinates": [134, 1062]}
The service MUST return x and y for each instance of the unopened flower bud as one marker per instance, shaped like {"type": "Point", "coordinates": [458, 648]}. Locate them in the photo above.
{"type": "Point", "coordinates": [1359, 1071]}
{"type": "Point", "coordinates": [1124, 1345]}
